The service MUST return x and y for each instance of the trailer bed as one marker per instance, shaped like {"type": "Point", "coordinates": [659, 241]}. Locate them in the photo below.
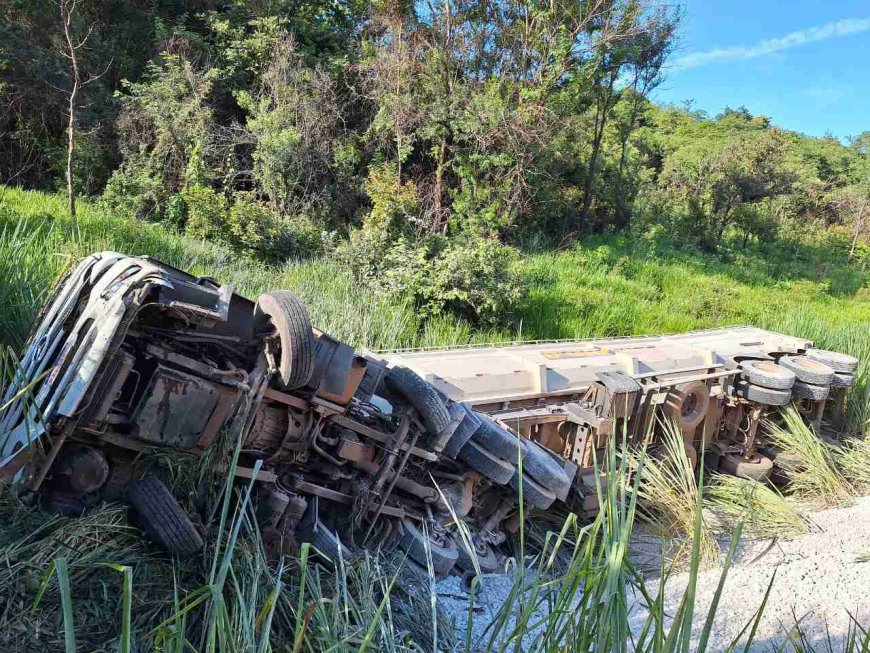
{"type": "Point", "coordinates": [478, 375]}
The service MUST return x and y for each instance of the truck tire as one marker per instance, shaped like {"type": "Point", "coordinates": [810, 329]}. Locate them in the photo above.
{"type": "Point", "coordinates": [808, 370]}
{"type": "Point", "coordinates": [688, 404]}
{"type": "Point", "coordinates": [536, 462]}
{"type": "Point", "coordinates": [288, 315]}
{"type": "Point", "coordinates": [788, 461]}
{"type": "Point", "coordinates": [533, 493]}
{"type": "Point", "coordinates": [494, 468]}
{"type": "Point", "coordinates": [457, 416]}
{"type": "Point", "coordinates": [842, 380]}
{"type": "Point", "coordinates": [767, 374]}
{"type": "Point", "coordinates": [162, 518]}
{"type": "Point", "coordinates": [757, 469]}
{"type": "Point", "coordinates": [488, 559]}
{"type": "Point", "coordinates": [469, 424]}
{"type": "Point", "coordinates": [329, 545]}
{"type": "Point", "coordinates": [764, 396]}
{"type": "Point", "coordinates": [422, 396]}
{"type": "Point", "coordinates": [415, 542]}
{"type": "Point", "coordinates": [810, 391]}
{"type": "Point", "coordinates": [838, 362]}
{"type": "Point", "coordinates": [65, 506]}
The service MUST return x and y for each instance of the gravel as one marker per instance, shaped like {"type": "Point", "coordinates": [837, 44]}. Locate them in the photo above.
{"type": "Point", "coordinates": [820, 581]}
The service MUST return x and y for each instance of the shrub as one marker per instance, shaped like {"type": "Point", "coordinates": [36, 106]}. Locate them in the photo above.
{"type": "Point", "coordinates": [475, 278]}
{"type": "Point", "coordinates": [135, 192]}
{"type": "Point", "coordinates": [206, 212]}
{"type": "Point", "coordinates": [395, 205]}
{"type": "Point", "coordinates": [248, 225]}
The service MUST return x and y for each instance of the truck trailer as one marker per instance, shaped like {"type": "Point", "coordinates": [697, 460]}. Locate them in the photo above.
{"type": "Point", "coordinates": [133, 360]}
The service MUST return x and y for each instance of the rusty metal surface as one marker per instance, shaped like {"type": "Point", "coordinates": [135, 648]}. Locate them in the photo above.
{"type": "Point", "coordinates": [176, 408]}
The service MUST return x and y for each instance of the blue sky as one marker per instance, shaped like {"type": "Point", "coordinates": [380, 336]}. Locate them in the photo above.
{"type": "Point", "coordinates": [804, 63]}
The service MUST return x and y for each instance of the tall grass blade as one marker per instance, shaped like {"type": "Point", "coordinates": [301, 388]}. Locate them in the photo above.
{"type": "Point", "coordinates": [69, 635]}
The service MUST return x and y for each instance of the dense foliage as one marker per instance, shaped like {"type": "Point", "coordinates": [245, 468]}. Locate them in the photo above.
{"type": "Point", "coordinates": [417, 143]}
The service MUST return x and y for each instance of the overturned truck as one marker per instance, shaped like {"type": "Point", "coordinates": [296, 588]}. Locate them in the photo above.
{"type": "Point", "coordinates": [351, 449]}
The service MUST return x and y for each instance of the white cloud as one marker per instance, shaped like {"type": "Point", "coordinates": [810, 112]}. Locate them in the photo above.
{"type": "Point", "coordinates": [768, 46]}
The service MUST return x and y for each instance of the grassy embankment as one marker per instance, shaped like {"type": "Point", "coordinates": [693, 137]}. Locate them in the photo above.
{"type": "Point", "coordinates": [231, 600]}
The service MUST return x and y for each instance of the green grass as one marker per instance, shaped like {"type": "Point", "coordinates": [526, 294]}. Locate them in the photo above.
{"type": "Point", "coordinates": [819, 479]}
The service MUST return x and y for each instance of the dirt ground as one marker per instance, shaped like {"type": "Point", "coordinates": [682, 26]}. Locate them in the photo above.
{"type": "Point", "coordinates": [820, 581]}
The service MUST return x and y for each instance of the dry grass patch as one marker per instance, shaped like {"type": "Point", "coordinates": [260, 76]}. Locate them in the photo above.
{"type": "Point", "coordinates": [670, 494]}
{"type": "Point", "coordinates": [818, 479]}
{"type": "Point", "coordinates": [763, 511]}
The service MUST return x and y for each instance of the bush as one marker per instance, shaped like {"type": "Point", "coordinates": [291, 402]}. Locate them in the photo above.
{"type": "Point", "coordinates": [395, 205]}
{"type": "Point", "coordinates": [248, 225]}
{"type": "Point", "coordinates": [206, 212]}
{"type": "Point", "coordinates": [133, 191]}
{"type": "Point", "coordinates": [475, 278]}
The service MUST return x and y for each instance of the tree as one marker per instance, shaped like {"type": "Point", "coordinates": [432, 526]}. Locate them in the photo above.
{"type": "Point", "coordinates": [648, 52]}
{"type": "Point", "coordinates": [718, 186]}
{"type": "Point", "coordinates": [860, 195]}
{"type": "Point", "coordinates": [67, 12]}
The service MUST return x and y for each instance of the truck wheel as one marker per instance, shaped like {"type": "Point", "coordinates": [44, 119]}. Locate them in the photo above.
{"type": "Point", "coordinates": [457, 416]}
{"type": "Point", "coordinates": [764, 396]}
{"type": "Point", "coordinates": [488, 559]}
{"type": "Point", "coordinates": [469, 424]}
{"type": "Point", "coordinates": [533, 493]}
{"type": "Point", "coordinates": [757, 469]}
{"type": "Point", "coordinates": [289, 317]}
{"type": "Point", "coordinates": [65, 506]}
{"type": "Point", "coordinates": [810, 391]}
{"type": "Point", "coordinates": [162, 518]}
{"type": "Point", "coordinates": [329, 545]}
{"type": "Point", "coordinates": [767, 374]}
{"type": "Point", "coordinates": [838, 362]}
{"type": "Point", "coordinates": [536, 462]}
{"type": "Point", "coordinates": [842, 380]}
{"type": "Point", "coordinates": [441, 547]}
{"type": "Point", "coordinates": [488, 464]}
{"type": "Point", "coordinates": [808, 370]}
{"type": "Point", "coordinates": [688, 405]}
{"type": "Point", "coordinates": [422, 396]}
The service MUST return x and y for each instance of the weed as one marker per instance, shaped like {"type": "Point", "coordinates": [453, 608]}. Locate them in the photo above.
{"type": "Point", "coordinates": [763, 511]}
{"type": "Point", "coordinates": [670, 491]}
{"type": "Point", "coordinates": [817, 479]}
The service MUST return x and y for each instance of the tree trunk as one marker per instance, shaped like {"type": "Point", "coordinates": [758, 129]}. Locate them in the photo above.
{"type": "Point", "coordinates": [66, 17]}
{"type": "Point", "coordinates": [623, 219]}
{"type": "Point", "coordinates": [859, 225]}
{"type": "Point", "coordinates": [598, 137]}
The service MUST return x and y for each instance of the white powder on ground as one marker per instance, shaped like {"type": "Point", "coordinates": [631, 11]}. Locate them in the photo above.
{"type": "Point", "coordinates": [819, 581]}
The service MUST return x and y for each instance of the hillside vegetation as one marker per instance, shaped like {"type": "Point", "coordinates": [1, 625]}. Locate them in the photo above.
{"type": "Point", "coordinates": [420, 146]}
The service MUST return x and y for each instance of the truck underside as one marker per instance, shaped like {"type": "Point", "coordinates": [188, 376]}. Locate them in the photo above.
{"type": "Point", "coordinates": [353, 449]}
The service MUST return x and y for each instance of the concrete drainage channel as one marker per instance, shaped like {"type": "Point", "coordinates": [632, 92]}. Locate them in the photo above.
{"type": "Point", "coordinates": [354, 450]}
